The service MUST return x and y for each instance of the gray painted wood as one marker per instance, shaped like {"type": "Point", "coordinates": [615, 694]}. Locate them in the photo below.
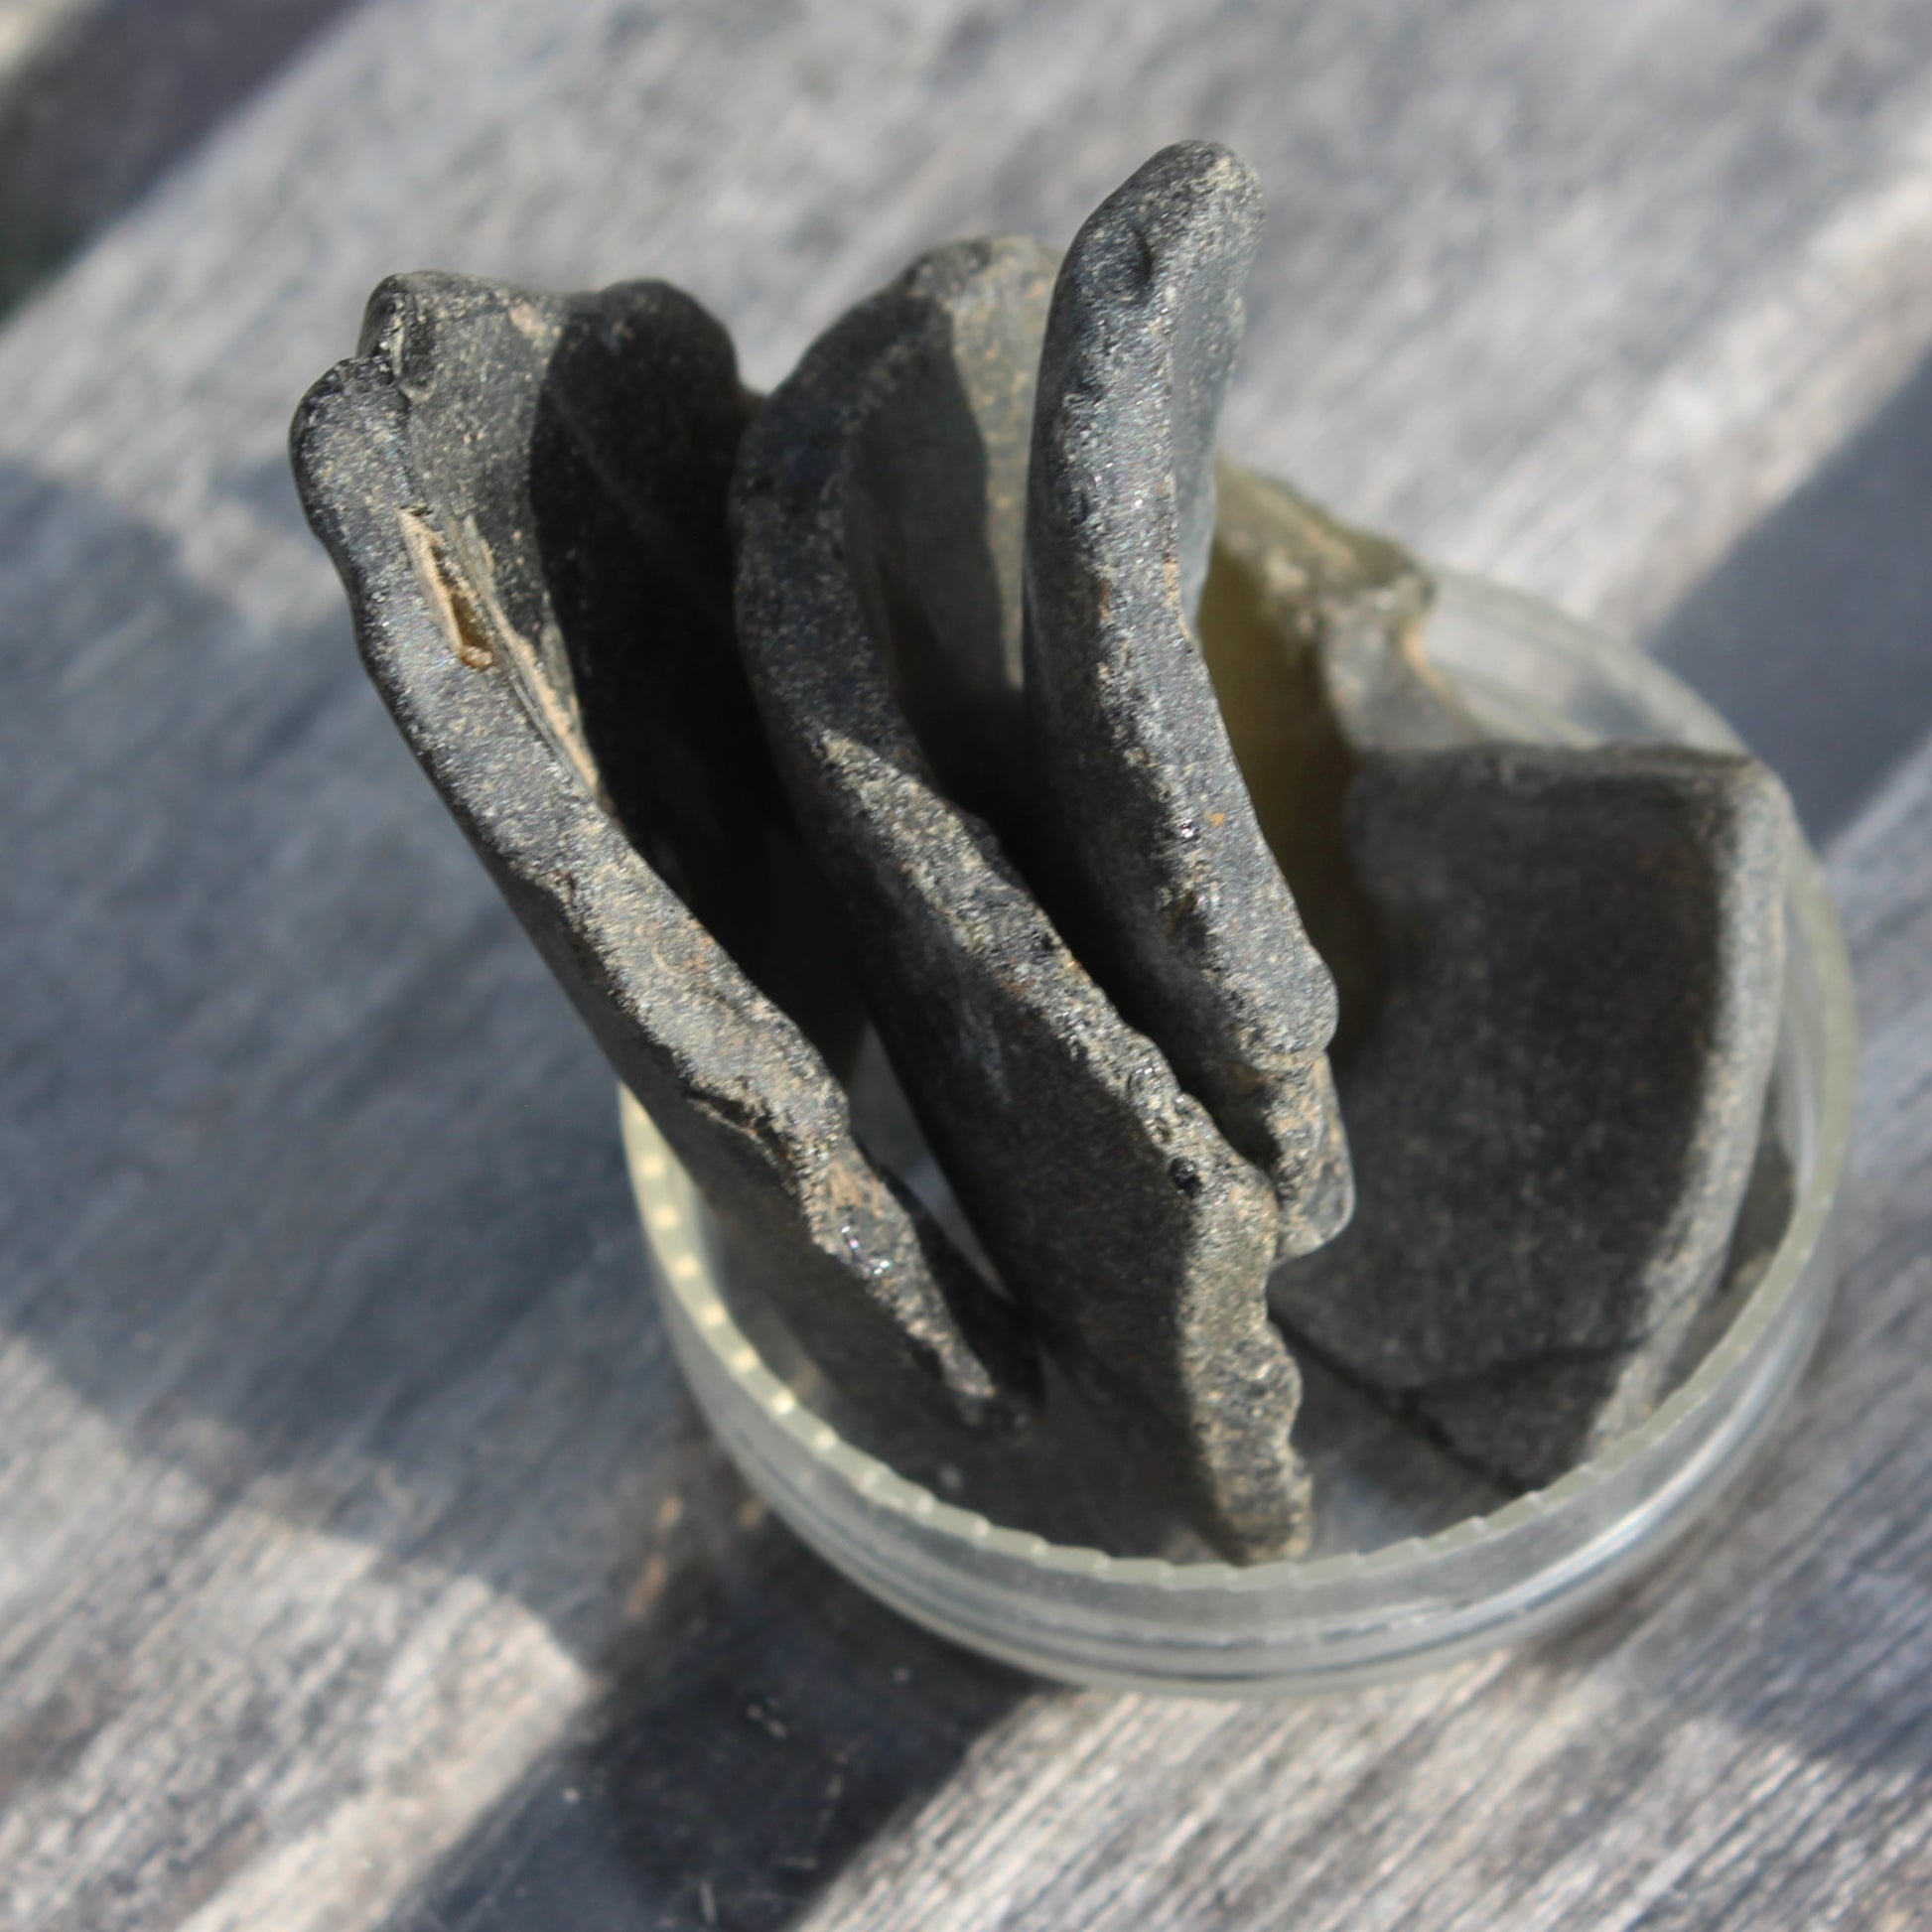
{"type": "Point", "coordinates": [360, 1559]}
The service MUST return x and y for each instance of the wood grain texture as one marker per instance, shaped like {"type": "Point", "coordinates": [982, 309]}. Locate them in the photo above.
{"type": "Point", "coordinates": [358, 1556]}
{"type": "Point", "coordinates": [98, 96]}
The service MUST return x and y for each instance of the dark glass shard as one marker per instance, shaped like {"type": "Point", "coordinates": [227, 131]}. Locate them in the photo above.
{"type": "Point", "coordinates": [525, 497]}
{"type": "Point", "coordinates": [1149, 852]}
{"type": "Point", "coordinates": [1556, 1110]}
{"type": "Point", "coordinates": [872, 486]}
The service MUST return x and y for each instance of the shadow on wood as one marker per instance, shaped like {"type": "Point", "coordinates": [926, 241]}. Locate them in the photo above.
{"type": "Point", "coordinates": [762, 1724]}
{"type": "Point", "coordinates": [318, 1217]}
{"type": "Point", "coordinates": [113, 99]}
{"type": "Point", "coordinates": [1814, 635]}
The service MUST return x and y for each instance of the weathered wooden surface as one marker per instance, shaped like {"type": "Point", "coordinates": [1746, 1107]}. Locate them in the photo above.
{"type": "Point", "coordinates": [358, 1556]}
{"type": "Point", "coordinates": [98, 96]}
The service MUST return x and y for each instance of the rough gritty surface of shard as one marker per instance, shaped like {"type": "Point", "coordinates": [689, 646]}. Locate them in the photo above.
{"type": "Point", "coordinates": [1149, 853]}
{"type": "Point", "coordinates": [525, 497]}
{"type": "Point", "coordinates": [1133, 1234]}
{"type": "Point", "coordinates": [1556, 1111]}
{"type": "Point", "coordinates": [1314, 635]}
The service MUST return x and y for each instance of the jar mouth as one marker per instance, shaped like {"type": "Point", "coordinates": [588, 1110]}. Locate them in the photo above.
{"type": "Point", "coordinates": [1078, 1612]}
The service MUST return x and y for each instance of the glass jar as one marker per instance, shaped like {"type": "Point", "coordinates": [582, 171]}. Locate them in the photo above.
{"type": "Point", "coordinates": [1374, 1599]}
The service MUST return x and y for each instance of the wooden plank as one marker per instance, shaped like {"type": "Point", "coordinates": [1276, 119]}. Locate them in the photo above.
{"type": "Point", "coordinates": [98, 96]}
{"type": "Point", "coordinates": [348, 1511]}
{"type": "Point", "coordinates": [1829, 595]}
{"type": "Point", "coordinates": [28, 28]}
